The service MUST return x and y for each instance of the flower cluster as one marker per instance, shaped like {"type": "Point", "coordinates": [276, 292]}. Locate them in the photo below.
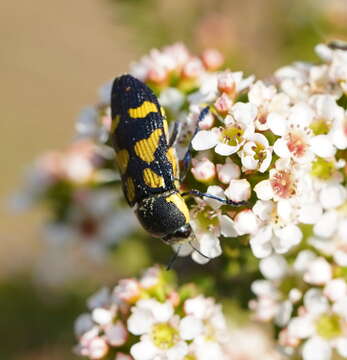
{"type": "Point", "coordinates": [149, 319]}
{"type": "Point", "coordinates": [306, 299]}
{"type": "Point", "coordinates": [74, 185]}
{"type": "Point", "coordinates": [278, 147]}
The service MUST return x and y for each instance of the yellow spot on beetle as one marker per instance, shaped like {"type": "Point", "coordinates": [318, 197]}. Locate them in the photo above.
{"type": "Point", "coordinates": [166, 130]}
{"type": "Point", "coordinates": [130, 189]}
{"type": "Point", "coordinates": [122, 160]}
{"type": "Point", "coordinates": [146, 148]}
{"type": "Point", "coordinates": [162, 111]}
{"type": "Point", "coordinates": [115, 123]}
{"type": "Point", "coordinates": [172, 158]}
{"type": "Point", "coordinates": [180, 204]}
{"type": "Point", "coordinates": [143, 110]}
{"type": "Point", "coordinates": [152, 179]}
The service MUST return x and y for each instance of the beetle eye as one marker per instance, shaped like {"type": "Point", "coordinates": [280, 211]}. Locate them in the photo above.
{"type": "Point", "coordinates": [182, 233]}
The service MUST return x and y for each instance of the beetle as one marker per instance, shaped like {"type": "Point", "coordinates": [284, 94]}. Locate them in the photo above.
{"type": "Point", "coordinates": [147, 161]}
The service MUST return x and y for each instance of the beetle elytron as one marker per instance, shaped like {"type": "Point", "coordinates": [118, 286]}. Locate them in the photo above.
{"type": "Point", "coordinates": [147, 161]}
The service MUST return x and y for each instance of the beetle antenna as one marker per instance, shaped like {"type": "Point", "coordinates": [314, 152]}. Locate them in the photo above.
{"type": "Point", "coordinates": [173, 258]}
{"type": "Point", "coordinates": [198, 251]}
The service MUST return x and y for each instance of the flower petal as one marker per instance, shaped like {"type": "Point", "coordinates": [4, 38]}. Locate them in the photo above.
{"type": "Point", "coordinates": [204, 139]}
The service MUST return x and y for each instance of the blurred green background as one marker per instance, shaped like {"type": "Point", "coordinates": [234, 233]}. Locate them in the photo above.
{"type": "Point", "coordinates": [54, 57]}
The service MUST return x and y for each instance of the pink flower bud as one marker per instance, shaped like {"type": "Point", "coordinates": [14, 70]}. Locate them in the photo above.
{"type": "Point", "coordinates": [150, 278]}
{"type": "Point", "coordinates": [95, 348]}
{"type": "Point", "coordinates": [227, 172]}
{"type": "Point", "coordinates": [286, 339]}
{"type": "Point", "coordinates": [212, 59]}
{"type": "Point", "coordinates": [174, 298]}
{"type": "Point", "coordinates": [116, 334]}
{"type": "Point", "coordinates": [106, 121]}
{"type": "Point", "coordinates": [226, 84]}
{"type": "Point", "coordinates": [157, 75]}
{"type": "Point", "coordinates": [238, 190]}
{"type": "Point", "coordinates": [203, 170]}
{"type": "Point", "coordinates": [207, 122]}
{"type": "Point", "coordinates": [223, 104]}
{"type": "Point", "coordinates": [122, 356]}
{"type": "Point", "coordinates": [336, 289]}
{"type": "Point", "coordinates": [127, 290]}
{"type": "Point", "coordinates": [192, 69]}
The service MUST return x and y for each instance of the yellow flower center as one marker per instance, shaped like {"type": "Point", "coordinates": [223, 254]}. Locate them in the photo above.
{"type": "Point", "coordinates": [164, 336]}
{"type": "Point", "coordinates": [320, 127]}
{"type": "Point", "coordinates": [328, 326]}
{"type": "Point", "coordinates": [232, 135]}
{"type": "Point", "coordinates": [259, 150]}
{"type": "Point", "coordinates": [189, 357]}
{"type": "Point", "coordinates": [206, 218]}
{"type": "Point", "coordinates": [322, 168]}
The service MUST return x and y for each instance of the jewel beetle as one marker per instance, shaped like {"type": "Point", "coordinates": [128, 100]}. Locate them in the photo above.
{"type": "Point", "coordinates": [147, 161]}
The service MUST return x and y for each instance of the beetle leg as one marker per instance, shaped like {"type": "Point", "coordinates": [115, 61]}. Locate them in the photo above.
{"type": "Point", "coordinates": [187, 159]}
{"type": "Point", "coordinates": [201, 195]}
{"type": "Point", "coordinates": [175, 133]}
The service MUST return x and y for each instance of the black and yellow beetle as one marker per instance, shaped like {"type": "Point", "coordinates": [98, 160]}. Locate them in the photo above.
{"type": "Point", "coordinates": [147, 161]}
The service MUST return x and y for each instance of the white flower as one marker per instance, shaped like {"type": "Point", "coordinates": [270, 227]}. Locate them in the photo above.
{"type": "Point", "coordinates": [332, 196]}
{"type": "Point", "coordinates": [150, 277]}
{"type": "Point", "coordinates": [318, 272]}
{"type": "Point", "coordinates": [91, 124]}
{"type": "Point", "coordinates": [191, 327]}
{"type": "Point", "coordinates": [172, 99]}
{"type": "Point", "coordinates": [238, 190]}
{"type": "Point", "coordinates": [267, 304]}
{"type": "Point", "coordinates": [282, 182]}
{"type": "Point", "coordinates": [338, 68]}
{"type": "Point", "coordinates": [239, 126]}
{"type": "Point", "coordinates": [159, 330]}
{"type": "Point", "coordinates": [233, 83]}
{"type": "Point", "coordinates": [127, 290]}
{"type": "Point", "coordinates": [83, 324]}
{"type": "Point", "coordinates": [208, 224]}
{"type": "Point", "coordinates": [246, 222]}
{"type": "Point", "coordinates": [209, 337]}
{"type": "Point", "coordinates": [338, 133]}
{"type": "Point", "coordinates": [269, 102]}
{"type": "Point", "coordinates": [256, 153]}
{"type": "Point", "coordinates": [316, 349]}
{"type": "Point", "coordinates": [295, 141]}
{"type": "Point", "coordinates": [303, 260]}
{"type": "Point", "coordinates": [335, 289]}
{"type": "Point", "coordinates": [100, 299]}
{"type": "Point", "coordinates": [274, 267]}
{"type": "Point", "coordinates": [273, 233]}
{"type": "Point", "coordinates": [294, 80]}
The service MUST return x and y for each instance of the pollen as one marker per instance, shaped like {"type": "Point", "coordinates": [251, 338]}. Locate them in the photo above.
{"type": "Point", "coordinates": [232, 135]}
{"type": "Point", "coordinates": [164, 336]}
{"type": "Point", "coordinates": [282, 184]}
{"type": "Point", "coordinates": [296, 144]}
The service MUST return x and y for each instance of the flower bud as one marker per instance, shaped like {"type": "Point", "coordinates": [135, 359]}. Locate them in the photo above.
{"type": "Point", "coordinates": [203, 170]}
{"type": "Point", "coordinates": [212, 59]}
